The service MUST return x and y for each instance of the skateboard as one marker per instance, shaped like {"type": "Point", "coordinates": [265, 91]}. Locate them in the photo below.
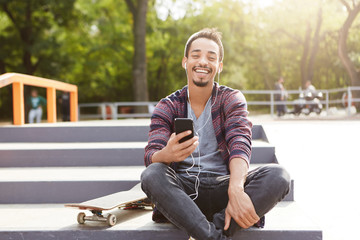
{"type": "Point", "coordinates": [134, 198]}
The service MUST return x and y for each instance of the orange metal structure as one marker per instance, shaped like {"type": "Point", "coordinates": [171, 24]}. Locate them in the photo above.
{"type": "Point", "coordinates": [19, 80]}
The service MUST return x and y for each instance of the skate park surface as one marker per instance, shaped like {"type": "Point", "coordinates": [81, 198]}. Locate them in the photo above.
{"type": "Point", "coordinates": [323, 158]}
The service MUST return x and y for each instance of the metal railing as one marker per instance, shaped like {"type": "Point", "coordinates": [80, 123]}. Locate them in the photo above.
{"type": "Point", "coordinates": [115, 110]}
{"type": "Point", "coordinates": [341, 97]}
{"type": "Point", "coordinates": [19, 80]}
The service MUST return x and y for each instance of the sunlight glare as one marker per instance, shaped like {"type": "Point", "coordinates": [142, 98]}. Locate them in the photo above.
{"type": "Point", "coordinates": [260, 3]}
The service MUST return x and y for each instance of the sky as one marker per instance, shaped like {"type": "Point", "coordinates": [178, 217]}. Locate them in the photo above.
{"type": "Point", "coordinates": [177, 8]}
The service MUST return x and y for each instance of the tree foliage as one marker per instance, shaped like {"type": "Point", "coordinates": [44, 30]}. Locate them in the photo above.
{"type": "Point", "coordinates": [91, 43]}
{"type": "Point", "coordinates": [30, 33]}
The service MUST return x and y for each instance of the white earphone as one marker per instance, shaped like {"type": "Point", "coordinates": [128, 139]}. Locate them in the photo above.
{"type": "Point", "coordinates": [194, 196]}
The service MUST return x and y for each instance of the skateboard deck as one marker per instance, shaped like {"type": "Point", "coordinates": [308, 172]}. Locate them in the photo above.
{"type": "Point", "coordinates": [134, 198]}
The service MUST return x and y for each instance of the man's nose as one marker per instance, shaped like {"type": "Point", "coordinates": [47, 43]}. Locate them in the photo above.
{"type": "Point", "coordinates": [203, 61]}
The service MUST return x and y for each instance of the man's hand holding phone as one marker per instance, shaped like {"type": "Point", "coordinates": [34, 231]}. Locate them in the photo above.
{"type": "Point", "coordinates": [180, 151]}
{"type": "Point", "coordinates": [175, 150]}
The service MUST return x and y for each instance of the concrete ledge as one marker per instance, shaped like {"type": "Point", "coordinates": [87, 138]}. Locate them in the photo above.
{"type": "Point", "coordinates": [68, 184]}
{"type": "Point", "coordinates": [61, 185]}
{"type": "Point", "coordinates": [71, 154]}
{"type": "Point", "coordinates": [285, 222]}
{"type": "Point", "coordinates": [113, 131]}
{"type": "Point", "coordinates": [74, 134]}
{"type": "Point", "coordinates": [262, 152]}
{"type": "Point", "coordinates": [53, 174]}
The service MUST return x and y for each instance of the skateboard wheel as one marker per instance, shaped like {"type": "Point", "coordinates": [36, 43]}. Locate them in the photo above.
{"type": "Point", "coordinates": [111, 220]}
{"type": "Point", "coordinates": [81, 218]}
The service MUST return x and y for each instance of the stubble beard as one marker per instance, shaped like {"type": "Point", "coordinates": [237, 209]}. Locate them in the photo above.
{"type": "Point", "coordinates": [200, 84]}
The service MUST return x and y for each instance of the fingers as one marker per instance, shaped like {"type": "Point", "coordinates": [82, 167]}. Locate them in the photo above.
{"type": "Point", "coordinates": [241, 219]}
{"type": "Point", "coordinates": [187, 143]}
{"type": "Point", "coordinates": [179, 151]}
{"type": "Point", "coordinates": [248, 218]}
{"type": "Point", "coordinates": [246, 221]}
{"type": "Point", "coordinates": [188, 147]}
{"type": "Point", "coordinates": [241, 209]}
{"type": "Point", "coordinates": [179, 136]}
{"type": "Point", "coordinates": [255, 217]}
{"type": "Point", "coordinates": [227, 220]}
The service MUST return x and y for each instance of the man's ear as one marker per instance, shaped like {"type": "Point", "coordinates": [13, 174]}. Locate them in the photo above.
{"type": "Point", "coordinates": [183, 62]}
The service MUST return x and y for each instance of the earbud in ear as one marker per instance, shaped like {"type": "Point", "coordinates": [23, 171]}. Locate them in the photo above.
{"type": "Point", "coordinates": [185, 65]}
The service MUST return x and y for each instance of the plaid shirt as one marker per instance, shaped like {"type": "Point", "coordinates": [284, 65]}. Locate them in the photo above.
{"type": "Point", "coordinates": [229, 118]}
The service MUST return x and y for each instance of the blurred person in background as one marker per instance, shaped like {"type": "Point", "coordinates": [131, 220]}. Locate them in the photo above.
{"type": "Point", "coordinates": [35, 102]}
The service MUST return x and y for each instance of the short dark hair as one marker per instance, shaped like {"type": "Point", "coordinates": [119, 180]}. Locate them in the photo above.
{"type": "Point", "coordinates": [209, 33]}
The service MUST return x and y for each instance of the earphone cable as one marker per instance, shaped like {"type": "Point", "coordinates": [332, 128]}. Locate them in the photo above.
{"type": "Point", "coordinates": [197, 179]}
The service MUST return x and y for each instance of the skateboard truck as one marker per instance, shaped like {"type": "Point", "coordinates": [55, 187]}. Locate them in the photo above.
{"type": "Point", "coordinates": [97, 217]}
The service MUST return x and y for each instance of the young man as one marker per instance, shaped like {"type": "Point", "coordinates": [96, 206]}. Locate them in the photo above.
{"type": "Point", "coordinates": [203, 185]}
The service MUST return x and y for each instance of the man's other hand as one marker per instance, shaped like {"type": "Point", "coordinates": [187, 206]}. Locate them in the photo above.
{"type": "Point", "coordinates": [240, 208]}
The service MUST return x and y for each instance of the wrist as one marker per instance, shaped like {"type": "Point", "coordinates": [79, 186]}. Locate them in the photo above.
{"type": "Point", "coordinates": [160, 156]}
{"type": "Point", "coordinates": [235, 188]}
{"type": "Point", "coordinates": [238, 174]}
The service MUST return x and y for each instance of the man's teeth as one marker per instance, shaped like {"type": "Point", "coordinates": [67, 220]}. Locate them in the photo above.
{"type": "Point", "coordinates": [201, 71]}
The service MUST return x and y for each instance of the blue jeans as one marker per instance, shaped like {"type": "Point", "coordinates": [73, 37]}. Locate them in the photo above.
{"type": "Point", "coordinates": [35, 114]}
{"type": "Point", "coordinates": [204, 218]}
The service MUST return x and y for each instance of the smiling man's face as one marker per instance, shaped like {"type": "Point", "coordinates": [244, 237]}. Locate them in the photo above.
{"type": "Point", "coordinates": [203, 62]}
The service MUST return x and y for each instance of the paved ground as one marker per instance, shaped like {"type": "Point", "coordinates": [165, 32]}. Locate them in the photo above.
{"type": "Point", "coordinates": [323, 158]}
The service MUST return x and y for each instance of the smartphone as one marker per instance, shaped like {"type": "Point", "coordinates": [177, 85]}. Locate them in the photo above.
{"type": "Point", "coordinates": [182, 125]}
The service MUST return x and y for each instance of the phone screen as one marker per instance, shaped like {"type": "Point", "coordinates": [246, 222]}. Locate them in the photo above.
{"type": "Point", "coordinates": [182, 125]}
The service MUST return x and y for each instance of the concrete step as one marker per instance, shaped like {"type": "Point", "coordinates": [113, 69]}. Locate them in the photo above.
{"type": "Point", "coordinates": [96, 131]}
{"type": "Point", "coordinates": [72, 154]}
{"type": "Point", "coordinates": [262, 152]}
{"type": "Point", "coordinates": [286, 221]}
{"type": "Point", "coordinates": [44, 164]}
{"type": "Point", "coordinates": [74, 134]}
{"type": "Point", "coordinates": [95, 154]}
{"type": "Point", "coordinates": [69, 184]}
{"type": "Point", "coordinates": [66, 184]}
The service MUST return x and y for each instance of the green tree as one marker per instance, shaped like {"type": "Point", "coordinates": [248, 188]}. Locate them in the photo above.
{"type": "Point", "coordinates": [98, 46]}
{"type": "Point", "coordinates": [350, 67]}
{"type": "Point", "coordinates": [28, 34]}
{"type": "Point", "coordinates": [29, 39]}
{"type": "Point", "coordinates": [100, 51]}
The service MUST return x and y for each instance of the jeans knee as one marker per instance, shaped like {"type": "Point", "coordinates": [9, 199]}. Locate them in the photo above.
{"type": "Point", "coordinates": [152, 174]}
{"type": "Point", "coordinates": [280, 178]}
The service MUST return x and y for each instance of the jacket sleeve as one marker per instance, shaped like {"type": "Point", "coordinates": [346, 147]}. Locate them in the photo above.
{"type": "Point", "coordinates": [237, 126]}
{"type": "Point", "coordinates": [42, 101]}
{"type": "Point", "coordinates": [160, 130]}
